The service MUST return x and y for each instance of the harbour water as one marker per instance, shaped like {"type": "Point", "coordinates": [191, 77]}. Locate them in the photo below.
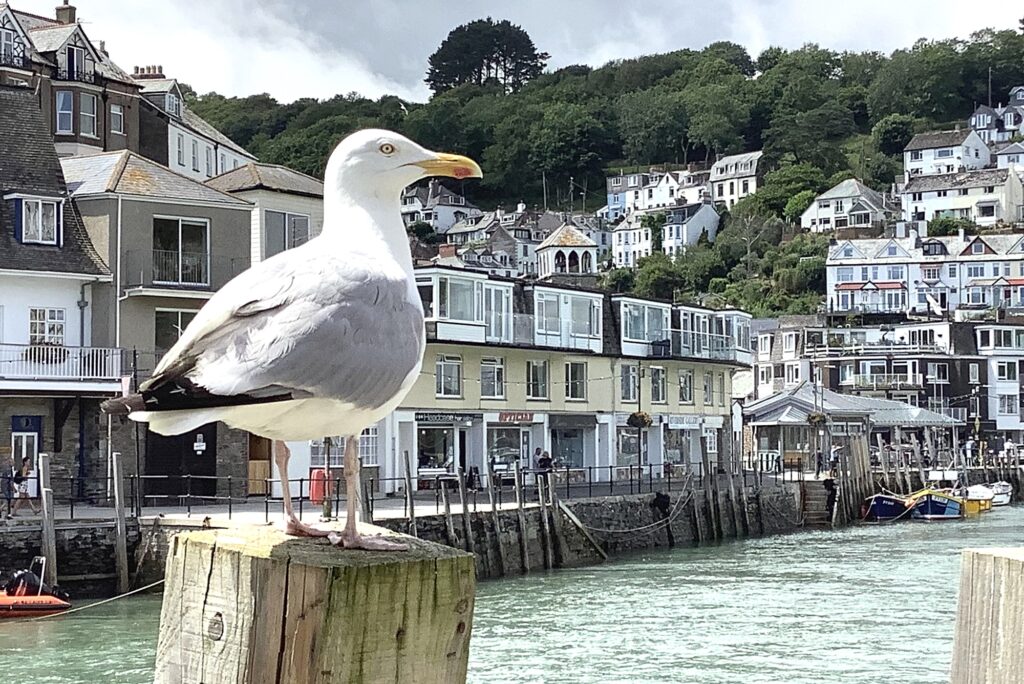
{"type": "Point", "coordinates": [855, 605]}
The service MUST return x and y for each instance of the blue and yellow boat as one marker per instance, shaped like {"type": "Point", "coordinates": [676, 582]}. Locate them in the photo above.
{"type": "Point", "coordinates": [932, 504]}
{"type": "Point", "coordinates": [885, 507]}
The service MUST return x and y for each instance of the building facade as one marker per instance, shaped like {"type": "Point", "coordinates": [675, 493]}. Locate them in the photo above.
{"type": "Point", "coordinates": [944, 152]}
{"type": "Point", "coordinates": [985, 197]}
{"type": "Point", "coordinates": [682, 227]}
{"type": "Point", "coordinates": [849, 204]}
{"type": "Point", "coordinates": [1002, 122]}
{"type": "Point", "coordinates": [435, 205]}
{"type": "Point", "coordinates": [735, 177]}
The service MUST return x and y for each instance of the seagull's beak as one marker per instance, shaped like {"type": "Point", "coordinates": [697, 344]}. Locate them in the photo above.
{"type": "Point", "coordinates": [450, 165]}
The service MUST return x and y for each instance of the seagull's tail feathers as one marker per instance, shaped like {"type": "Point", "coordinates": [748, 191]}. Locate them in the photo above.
{"type": "Point", "coordinates": [122, 406]}
{"type": "Point", "coordinates": [177, 422]}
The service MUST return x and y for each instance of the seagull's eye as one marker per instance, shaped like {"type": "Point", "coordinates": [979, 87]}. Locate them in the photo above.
{"type": "Point", "coordinates": [387, 149]}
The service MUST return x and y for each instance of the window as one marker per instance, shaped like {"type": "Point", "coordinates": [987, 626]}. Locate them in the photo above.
{"type": "Point", "coordinates": [686, 385]}
{"type": "Point", "coordinates": [952, 270]}
{"type": "Point", "coordinates": [987, 210]}
{"type": "Point", "coordinates": [6, 45]}
{"type": "Point", "coordinates": [895, 273]}
{"type": "Point", "coordinates": [1008, 405]}
{"type": "Point", "coordinates": [989, 189]}
{"type": "Point", "coordinates": [87, 124]}
{"type": "Point", "coordinates": [65, 111]}
{"type": "Point", "coordinates": [792, 373]}
{"type": "Point", "coordinates": [576, 380]}
{"type": "Point", "coordinates": [659, 390]}
{"type": "Point", "coordinates": [195, 155]}
{"type": "Point", "coordinates": [448, 373]}
{"type": "Point", "coordinates": [764, 375]}
{"type": "Point", "coordinates": [40, 221]}
{"type": "Point", "coordinates": [974, 374]}
{"type": "Point", "coordinates": [789, 342]}
{"type": "Point", "coordinates": [930, 272]}
{"type": "Point", "coordinates": [944, 153]}
{"type": "Point", "coordinates": [976, 270]}
{"type": "Point", "coordinates": [915, 155]}
{"type": "Point", "coordinates": [942, 193]}
{"type": "Point", "coordinates": [711, 440]}
{"type": "Point", "coordinates": [746, 187]}
{"type": "Point", "coordinates": [848, 251]}
{"type": "Point", "coordinates": [764, 344]}
{"type": "Point", "coordinates": [46, 326]}
{"type": "Point", "coordinates": [492, 378]}
{"type": "Point", "coordinates": [75, 62]}
{"type": "Point", "coordinates": [644, 323]}
{"type": "Point", "coordinates": [628, 380]}
{"type": "Point", "coordinates": [978, 248]}
{"type": "Point", "coordinates": [915, 197]}
{"type": "Point", "coordinates": [169, 325]}
{"type": "Point", "coordinates": [173, 104]}
{"type": "Point", "coordinates": [536, 379]}
{"type": "Point", "coordinates": [223, 164]}
{"type": "Point", "coordinates": [457, 299]}
{"type": "Point", "coordinates": [284, 231]}
{"type": "Point", "coordinates": [938, 372]}
{"type": "Point", "coordinates": [181, 149]}
{"type": "Point", "coordinates": [1006, 370]}
{"type": "Point", "coordinates": [117, 119]}
{"type": "Point", "coordinates": [181, 253]}
{"type": "Point", "coordinates": [844, 274]}
{"type": "Point", "coordinates": [617, 181]}
{"type": "Point", "coordinates": [209, 161]}
{"type": "Point", "coordinates": [709, 389]}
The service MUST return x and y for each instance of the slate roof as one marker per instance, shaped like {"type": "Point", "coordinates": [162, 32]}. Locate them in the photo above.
{"type": "Point", "coordinates": [29, 164]}
{"type": "Point", "coordinates": [258, 176]}
{"type": "Point", "coordinates": [1012, 148]}
{"type": "Point", "coordinates": [197, 123]}
{"type": "Point", "coordinates": [128, 173]}
{"type": "Point", "coordinates": [48, 35]}
{"type": "Point", "coordinates": [157, 85]}
{"type": "Point", "coordinates": [933, 139]}
{"type": "Point", "coordinates": [737, 161]}
{"type": "Point", "coordinates": [567, 236]}
{"type": "Point", "coordinates": [51, 38]}
{"type": "Point", "coordinates": [950, 181]}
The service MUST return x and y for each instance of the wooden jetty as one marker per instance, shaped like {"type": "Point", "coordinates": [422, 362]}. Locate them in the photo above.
{"type": "Point", "coordinates": [251, 604]}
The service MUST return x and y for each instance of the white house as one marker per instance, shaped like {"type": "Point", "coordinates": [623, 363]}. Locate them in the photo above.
{"type": "Point", "coordinates": [1000, 123]}
{"type": "Point", "coordinates": [683, 227]}
{"type": "Point", "coordinates": [985, 197]}
{"type": "Point", "coordinates": [849, 203]}
{"type": "Point", "coordinates": [436, 205]}
{"type": "Point", "coordinates": [941, 152]}
{"type": "Point", "coordinates": [288, 206]}
{"type": "Point", "coordinates": [736, 176]}
{"type": "Point", "coordinates": [567, 250]}
{"type": "Point", "coordinates": [194, 148]}
{"type": "Point", "coordinates": [1011, 155]}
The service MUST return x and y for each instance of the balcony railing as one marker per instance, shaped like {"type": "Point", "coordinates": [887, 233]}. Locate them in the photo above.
{"type": "Point", "coordinates": [55, 362]}
{"type": "Point", "coordinates": [871, 307]}
{"type": "Point", "coordinates": [886, 381]}
{"type": "Point", "coordinates": [174, 269]}
{"type": "Point", "coordinates": [559, 333]}
{"type": "Point", "coordinates": [832, 350]}
{"type": "Point", "coordinates": [14, 60]}
{"type": "Point", "coordinates": [80, 75]}
{"type": "Point", "coordinates": [958, 414]}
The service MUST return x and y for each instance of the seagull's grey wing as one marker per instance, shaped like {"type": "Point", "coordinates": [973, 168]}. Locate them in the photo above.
{"type": "Point", "coordinates": [351, 333]}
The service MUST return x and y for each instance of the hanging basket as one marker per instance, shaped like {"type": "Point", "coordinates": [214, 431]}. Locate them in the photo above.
{"type": "Point", "coordinates": [817, 418]}
{"type": "Point", "coordinates": [639, 419]}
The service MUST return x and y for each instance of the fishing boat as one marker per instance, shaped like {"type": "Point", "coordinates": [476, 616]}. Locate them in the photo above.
{"type": "Point", "coordinates": [932, 504]}
{"type": "Point", "coordinates": [26, 595]}
{"type": "Point", "coordinates": [884, 507]}
{"type": "Point", "coordinates": [982, 494]}
{"type": "Point", "coordinates": [1002, 492]}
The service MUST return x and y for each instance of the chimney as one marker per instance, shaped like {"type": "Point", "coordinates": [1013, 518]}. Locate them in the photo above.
{"type": "Point", "coordinates": [962, 234]}
{"type": "Point", "coordinates": [148, 71]}
{"type": "Point", "coordinates": [65, 13]}
{"type": "Point", "coordinates": [447, 250]}
{"type": "Point", "coordinates": [521, 207]}
{"type": "Point", "coordinates": [103, 48]}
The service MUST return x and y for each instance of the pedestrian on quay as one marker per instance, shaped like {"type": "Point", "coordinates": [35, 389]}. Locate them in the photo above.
{"type": "Point", "coordinates": [536, 459]}
{"type": "Point", "coordinates": [21, 485]}
{"type": "Point", "coordinates": [544, 464]}
{"type": "Point", "coordinates": [7, 485]}
{"type": "Point", "coordinates": [819, 463]}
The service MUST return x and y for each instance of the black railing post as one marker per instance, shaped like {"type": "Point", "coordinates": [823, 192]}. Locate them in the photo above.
{"type": "Point", "coordinates": [650, 477]}
{"type": "Point", "coordinates": [611, 480]}
{"type": "Point", "coordinates": [337, 497]}
{"type": "Point", "coordinates": [229, 498]}
{"type": "Point", "coordinates": [188, 495]}
{"type": "Point", "coordinates": [590, 481]}
{"type": "Point", "coordinates": [266, 500]}
{"type": "Point", "coordinates": [302, 481]}
{"type": "Point", "coordinates": [567, 494]}
{"type": "Point", "coordinates": [72, 497]}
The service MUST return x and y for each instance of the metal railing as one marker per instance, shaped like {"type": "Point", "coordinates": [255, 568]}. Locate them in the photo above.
{"type": "Point", "coordinates": [57, 362]}
{"type": "Point", "coordinates": [80, 75]}
{"type": "Point", "coordinates": [885, 380]}
{"type": "Point", "coordinates": [834, 349]}
{"type": "Point", "coordinates": [18, 61]}
{"type": "Point", "coordinates": [174, 269]}
{"type": "Point", "coordinates": [181, 268]}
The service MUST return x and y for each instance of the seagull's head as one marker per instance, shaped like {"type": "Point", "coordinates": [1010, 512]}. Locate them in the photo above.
{"type": "Point", "coordinates": [384, 163]}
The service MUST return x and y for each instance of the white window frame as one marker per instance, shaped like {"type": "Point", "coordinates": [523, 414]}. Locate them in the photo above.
{"type": "Point", "coordinates": [974, 373]}
{"type": "Point", "coordinates": [492, 377]}
{"type": "Point", "coordinates": [7, 40]}
{"type": "Point", "coordinates": [209, 161]}
{"type": "Point", "coordinates": [443, 364]}
{"type": "Point", "coordinates": [195, 155]}
{"type": "Point", "coordinates": [68, 98]}
{"type": "Point", "coordinates": [36, 235]}
{"type": "Point", "coordinates": [289, 228]}
{"type": "Point", "coordinates": [117, 119]}
{"type": "Point", "coordinates": [709, 388]}
{"type": "Point", "coordinates": [686, 385]}
{"type": "Point", "coordinates": [575, 380]}
{"type": "Point", "coordinates": [789, 343]}
{"type": "Point", "coordinates": [88, 119]}
{"type": "Point", "coordinates": [659, 385]}
{"type": "Point", "coordinates": [628, 374]}
{"type": "Point", "coordinates": [1008, 404]}
{"type": "Point", "coordinates": [47, 325]}
{"type": "Point", "coordinates": [181, 150]}
{"type": "Point", "coordinates": [1006, 371]}
{"type": "Point", "coordinates": [537, 388]}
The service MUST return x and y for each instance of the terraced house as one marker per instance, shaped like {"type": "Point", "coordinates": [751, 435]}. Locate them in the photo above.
{"type": "Point", "coordinates": [514, 365]}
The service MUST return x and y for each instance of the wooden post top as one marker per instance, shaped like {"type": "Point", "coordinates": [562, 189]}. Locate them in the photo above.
{"type": "Point", "coordinates": [270, 541]}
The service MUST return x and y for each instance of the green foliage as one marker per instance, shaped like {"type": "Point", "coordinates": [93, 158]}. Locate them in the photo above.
{"type": "Point", "coordinates": [797, 205]}
{"type": "Point", "coordinates": [485, 51]}
{"type": "Point", "coordinates": [947, 225]}
{"type": "Point", "coordinates": [893, 132]}
{"type": "Point", "coordinates": [424, 232]}
{"type": "Point", "coordinates": [782, 184]}
{"type": "Point", "coordinates": [619, 280]}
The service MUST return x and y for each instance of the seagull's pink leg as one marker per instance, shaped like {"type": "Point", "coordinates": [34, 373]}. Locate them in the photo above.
{"type": "Point", "coordinates": [292, 524]}
{"type": "Point", "coordinates": [350, 537]}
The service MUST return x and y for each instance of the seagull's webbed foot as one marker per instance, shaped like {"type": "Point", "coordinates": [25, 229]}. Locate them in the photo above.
{"type": "Point", "coordinates": [297, 528]}
{"type": "Point", "coordinates": [366, 542]}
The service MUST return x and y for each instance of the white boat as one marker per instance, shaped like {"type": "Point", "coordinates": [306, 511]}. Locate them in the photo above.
{"type": "Point", "coordinates": [1002, 492]}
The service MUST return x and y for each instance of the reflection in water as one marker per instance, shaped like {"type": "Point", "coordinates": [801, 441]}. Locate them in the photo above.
{"type": "Point", "coordinates": [859, 605]}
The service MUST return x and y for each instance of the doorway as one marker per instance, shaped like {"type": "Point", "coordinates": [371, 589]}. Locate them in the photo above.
{"type": "Point", "coordinates": [170, 459]}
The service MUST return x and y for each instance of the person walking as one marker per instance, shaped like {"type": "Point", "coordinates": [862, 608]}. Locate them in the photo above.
{"type": "Point", "coordinates": [819, 463]}
{"type": "Point", "coordinates": [7, 486]}
{"type": "Point", "coordinates": [21, 479]}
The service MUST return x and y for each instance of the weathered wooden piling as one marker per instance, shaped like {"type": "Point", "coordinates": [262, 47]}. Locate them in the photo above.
{"type": "Point", "coordinates": [248, 605]}
{"type": "Point", "coordinates": [467, 521]}
{"type": "Point", "coordinates": [410, 504]}
{"type": "Point", "coordinates": [120, 526]}
{"type": "Point", "coordinates": [989, 618]}
{"type": "Point", "coordinates": [49, 529]}
{"type": "Point", "coordinates": [524, 549]}
{"type": "Point", "coordinates": [496, 520]}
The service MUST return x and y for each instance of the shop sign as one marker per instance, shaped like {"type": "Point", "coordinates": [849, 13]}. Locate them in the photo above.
{"type": "Point", "coordinates": [714, 421]}
{"type": "Point", "coordinates": [515, 417]}
{"type": "Point", "coordinates": [684, 422]}
{"type": "Point", "coordinates": [437, 417]}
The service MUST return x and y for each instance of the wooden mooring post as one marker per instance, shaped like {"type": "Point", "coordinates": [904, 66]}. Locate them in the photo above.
{"type": "Point", "coordinates": [120, 528]}
{"type": "Point", "coordinates": [49, 530]}
{"type": "Point", "coordinates": [989, 618]}
{"type": "Point", "coordinates": [524, 548]}
{"type": "Point", "coordinates": [410, 498]}
{"type": "Point", "coordinates": [495, 519]}
{"type": "Point", "coordinates": [248, 605]}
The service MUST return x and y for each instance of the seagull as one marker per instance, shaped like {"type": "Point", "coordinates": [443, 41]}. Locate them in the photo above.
{"type": "Point", "coordinates": [323, 339]}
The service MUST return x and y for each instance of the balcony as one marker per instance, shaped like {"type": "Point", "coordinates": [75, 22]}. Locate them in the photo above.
{"type": "Point", "coordinates": [169, 269]}
{"type": "Point", "coordinates": [885, 381]}
{"type": "Point", "coordinates": [523, 330]}
{"type": "Point", "coordinates": [14, 61]}
{"type": "Point", "coordinates": [959, 414]}
{"type": "Point", "coordinates": [79, 75]}
{"type": "Point", "coordinates": [691, 344]}
{"type": "Point", "coordinates": [831, 351]}
{"type": "Point", "coordinates": [44, 365]}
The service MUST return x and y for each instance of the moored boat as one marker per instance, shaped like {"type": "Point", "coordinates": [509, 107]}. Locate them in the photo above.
{"type": "Point", "coordinates": [26, 595]}
{"type": "Point", "coordinates": [932, 504]}
{"type": "Point", "coordinates": [1002, 492]}
{"type": "Point", "coordinates": [884, 507]}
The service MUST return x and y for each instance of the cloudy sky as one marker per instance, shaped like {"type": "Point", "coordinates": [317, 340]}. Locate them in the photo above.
{"type": "Point", "coordinates": [318, 48]}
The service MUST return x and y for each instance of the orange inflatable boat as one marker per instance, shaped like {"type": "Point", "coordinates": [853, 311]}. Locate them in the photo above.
{"type": "Point", "coordinates": [25, 595]}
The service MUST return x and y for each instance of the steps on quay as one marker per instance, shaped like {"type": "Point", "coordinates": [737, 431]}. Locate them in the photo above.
{"type": "Point", "coordinates": [815, 510]}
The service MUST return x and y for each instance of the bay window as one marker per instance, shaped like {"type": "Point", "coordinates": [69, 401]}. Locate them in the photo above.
{"type": "Point", "coordinates": [457, 299]}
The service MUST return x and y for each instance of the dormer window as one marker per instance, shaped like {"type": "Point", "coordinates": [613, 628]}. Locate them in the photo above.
{"type": "Point", "coordinates": [891, 251]}
{"type": "Point", "coordinates": [7, 37]}
{"type": "Point", "coordinates": [977, 248]}
{"type": "Point", "coordinates": [75, 62]}
{"type": "Point", "coordinates": [40, 221]}
{"type": "Point", "coordinates": [173, 104]}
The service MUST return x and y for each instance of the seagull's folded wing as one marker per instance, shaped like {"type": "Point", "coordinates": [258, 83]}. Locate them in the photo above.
{"type": "Point", "coordinates": [297, 325]}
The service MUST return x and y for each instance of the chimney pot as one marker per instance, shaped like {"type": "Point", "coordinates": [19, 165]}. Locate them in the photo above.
{"type": "Point", "coordinates": [65, 13]}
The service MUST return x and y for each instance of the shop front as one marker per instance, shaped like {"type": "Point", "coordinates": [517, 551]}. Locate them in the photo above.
{"type": "Point", "coordinates": [573, 445]}
{"type": "Point", "coordinates": [512, 436]}
{"type": "Point", "coordinates": [447, 442]}
{"type": "Point", "coordinates": [682, 443]}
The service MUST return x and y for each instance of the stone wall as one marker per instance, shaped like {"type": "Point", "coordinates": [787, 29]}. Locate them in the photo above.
{"type": "Point", "coordinates": [84, 551]}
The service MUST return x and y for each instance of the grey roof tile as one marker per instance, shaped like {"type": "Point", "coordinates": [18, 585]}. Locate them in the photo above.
{"type": "Point", "coordinates": [933, 139]}
{"type": "Point", "coordinates": [259, 176]}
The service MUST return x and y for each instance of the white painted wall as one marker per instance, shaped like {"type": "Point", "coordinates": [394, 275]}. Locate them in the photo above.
{"type": "Point", "coordinates": [973, 153]}
{"type": "Point", "coordinates": [19, 293]}
{"type": "Point", "coordinates": [264, 200]}
{"type": "Point", "coordinates": [231, 158]}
